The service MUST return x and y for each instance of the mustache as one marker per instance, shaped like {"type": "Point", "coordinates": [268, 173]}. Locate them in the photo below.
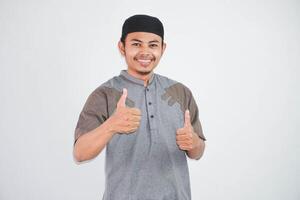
{"type": "Point", "coordinates": [145, 57]}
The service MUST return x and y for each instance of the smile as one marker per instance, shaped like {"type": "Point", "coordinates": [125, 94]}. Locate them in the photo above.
{"type": "Point", "coordinates": [144, 62]}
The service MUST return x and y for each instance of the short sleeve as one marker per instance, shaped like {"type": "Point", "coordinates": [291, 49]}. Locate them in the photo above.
{"type": "Point", "coordinates": [93, 114]}
{"type": "Point", "coordinates": [194, 114]}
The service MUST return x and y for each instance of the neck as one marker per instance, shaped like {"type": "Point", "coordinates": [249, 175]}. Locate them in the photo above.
{"type": "Point", "coordinates": [145, 77]}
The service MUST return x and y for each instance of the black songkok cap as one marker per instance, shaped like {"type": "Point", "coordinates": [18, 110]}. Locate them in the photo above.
{"type": "Point", "coordinates": [142, 23]}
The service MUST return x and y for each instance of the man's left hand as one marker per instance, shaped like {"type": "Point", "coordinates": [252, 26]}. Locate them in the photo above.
{"type": "Point", "coordinates": [185, 136]}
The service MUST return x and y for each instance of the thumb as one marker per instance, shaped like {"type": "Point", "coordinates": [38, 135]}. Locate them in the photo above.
{"type": "Point", "coordinates": [187, 119]}
{"type": "Point", "coordinates": [122, 100]}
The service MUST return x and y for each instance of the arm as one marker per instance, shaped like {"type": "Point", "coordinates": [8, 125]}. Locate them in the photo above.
{"type": "Point", "coordinates": [198, 139]}
{"type": "Point", "coordinates": [198, 150]}
{"type": "Point", "coordinates": [188, 140]}
{"type": "Point", "coordinates": [124, 120]}
{"type": "Point", "coordinates": [89, 145]}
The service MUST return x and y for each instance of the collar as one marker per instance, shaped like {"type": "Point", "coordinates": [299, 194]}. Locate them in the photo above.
{"type": "Point", "coordinates": [129, 77]}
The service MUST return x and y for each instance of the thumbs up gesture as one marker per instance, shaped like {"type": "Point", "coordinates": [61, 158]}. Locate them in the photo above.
{"type": "Point", "coordinates": [185, 136]}
{"type": "Point", "coordinates": [125, 120]}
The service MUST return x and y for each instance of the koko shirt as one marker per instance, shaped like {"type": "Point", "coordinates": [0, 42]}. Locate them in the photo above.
{"type": "Point", "coordinates": [146, 164]}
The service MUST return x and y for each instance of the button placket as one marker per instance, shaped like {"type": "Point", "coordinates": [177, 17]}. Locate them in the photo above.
{"type": "Point", "coordinates": [150, 107]}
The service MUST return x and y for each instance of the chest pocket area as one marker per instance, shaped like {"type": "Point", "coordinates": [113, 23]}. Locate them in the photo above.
{"type": "Point", "coordinates": [171, 112]}
{"type": "Point", "coordinates": [171, 119]}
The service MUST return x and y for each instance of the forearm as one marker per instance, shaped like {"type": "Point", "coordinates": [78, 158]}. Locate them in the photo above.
{"type": "Point", "coordinates": [197, 152]}
{"type": "Point", "coordinates": [92, 143]}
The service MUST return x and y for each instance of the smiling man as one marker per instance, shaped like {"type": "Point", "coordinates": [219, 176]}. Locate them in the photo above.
{"type": "Point", "coordinates": [148, 123]}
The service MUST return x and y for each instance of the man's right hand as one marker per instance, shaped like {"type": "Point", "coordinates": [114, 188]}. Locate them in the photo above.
{"type": "Point", "coordinates": [125, 120]}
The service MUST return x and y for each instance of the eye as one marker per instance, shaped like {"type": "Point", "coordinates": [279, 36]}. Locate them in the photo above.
{"type": "Point", "coordinates": [153, 45]}
{"type": "Point", "coordinates": [136, 44]}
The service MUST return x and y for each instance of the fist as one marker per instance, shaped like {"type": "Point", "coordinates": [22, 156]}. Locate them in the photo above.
{"type": "Point", "coordinates": [125, 120]}
{"type": "Point", "coordinates": [185, 135]}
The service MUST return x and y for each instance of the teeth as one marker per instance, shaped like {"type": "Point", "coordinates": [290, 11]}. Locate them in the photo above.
{"type": "Point", "coordinates": [144, 61]}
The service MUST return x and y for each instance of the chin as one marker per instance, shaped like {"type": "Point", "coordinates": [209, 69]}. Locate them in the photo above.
{"type": "Point", "coordinates": [143, 70]}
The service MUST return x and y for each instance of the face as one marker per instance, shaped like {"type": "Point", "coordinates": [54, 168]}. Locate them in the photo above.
{"type": "Point", "coordinates": [142, 52]}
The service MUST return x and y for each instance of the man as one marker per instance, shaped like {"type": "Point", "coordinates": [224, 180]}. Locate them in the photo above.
{"type": "Point", "coordinates": [147, 122]}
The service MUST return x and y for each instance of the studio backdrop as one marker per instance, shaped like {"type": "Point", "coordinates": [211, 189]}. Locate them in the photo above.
{"type": "Point", "coordinates": [239, 58]}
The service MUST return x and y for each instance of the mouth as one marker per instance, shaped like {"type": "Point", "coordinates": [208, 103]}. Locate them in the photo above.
{"type": "Point", "coordinates": [144, 62]}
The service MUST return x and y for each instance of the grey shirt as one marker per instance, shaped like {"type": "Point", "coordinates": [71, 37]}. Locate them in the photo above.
{"type": "Point", "coordinates": [146, 164]}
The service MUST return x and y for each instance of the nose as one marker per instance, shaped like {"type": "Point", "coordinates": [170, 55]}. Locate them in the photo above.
{"type": "Point", "coordinates": [144, 48]}
{"type": "Point", "coordinates": [144, 55]}
{"type": "Point", "coordinates": [144, 52]}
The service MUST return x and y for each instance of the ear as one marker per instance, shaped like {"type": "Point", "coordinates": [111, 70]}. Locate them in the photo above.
{"type": "Point", "coordinates": [163, 48]}
{"type": "Point", "coordinates": [121, 48]}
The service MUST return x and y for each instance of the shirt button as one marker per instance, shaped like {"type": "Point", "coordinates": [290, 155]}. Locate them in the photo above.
{"type": "Point", "coordinates": [150, 103]}
{"type": "Point", "coordinates": [151, 116]}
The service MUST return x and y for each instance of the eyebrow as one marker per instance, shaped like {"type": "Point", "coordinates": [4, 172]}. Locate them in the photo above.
{"type": "Point", "coordinates": [155, 41]}
{"type": "Point", "coordinates": [152, 41]}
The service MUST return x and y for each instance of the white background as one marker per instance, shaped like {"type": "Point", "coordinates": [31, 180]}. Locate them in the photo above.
{"type": "Point", "coordinates": [239, 58]}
